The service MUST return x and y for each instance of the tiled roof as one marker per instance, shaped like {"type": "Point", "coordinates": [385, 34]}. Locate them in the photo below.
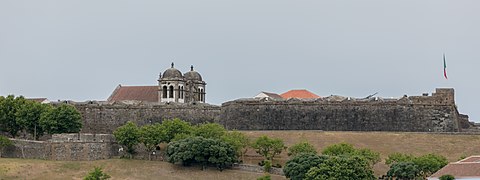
{"type": "Point", "coordinates": [300, 94]}
{"type": "Point", "coordinates": [137, 93]}
{"type": "Point", "coordinates": [469, 167]}
{"type": "Point", "coordinates": [273, 95]}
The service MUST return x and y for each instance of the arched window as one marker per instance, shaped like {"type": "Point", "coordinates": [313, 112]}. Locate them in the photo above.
{"type": "Point", "coordinates": [164, 91]}
{"type": "Point", "coordinates": [181, 92]}
{"type": "Point", "coordinates": [202, 96]}
{"type": "Point", "coordinates": [171, 92]}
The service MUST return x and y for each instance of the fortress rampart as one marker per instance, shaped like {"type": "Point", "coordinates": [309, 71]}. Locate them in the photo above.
{"type": "Point", "coordinates": [426, 113]}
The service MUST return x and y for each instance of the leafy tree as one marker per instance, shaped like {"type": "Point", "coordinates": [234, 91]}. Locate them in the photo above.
{"type": "Point", "coordinates": [201, 150]}
{"type": "Point", "coordinates": [4, 142]}
{"type": "Point", "coordinates": [426, 164]}
{"type": "Point", "coordinates": [268, 147]}
{"type": "Point", "coordinates": [342, 167]}
{"type": "Point", "coordinates": [239, 141]}
{"type": "Point", "coordinates": [344, 149]}
{"type": "Point", "coordinates": [209, 130]}
{"type": "Point", "coordinates": [128, 135]}
{"type": "Point", "coordinates": [296, 167]}
{"type": "Point", "coordinates": [28, 116]}
{"type": "Point", "coordinates": [151, 136]}
{"type": "Point", "coordinates": [8, 108]}
{"type": "Point", "coordinates": [302, 147]}
{"type": "Point", "coordinates": [430, 163]}
{"type": "Point", "coordinates": [97, 174]}
{"type": "Point", "coordinates": [399, 157]}
{"type": "Point", "coordinates": [447, 177]}
{"type": "Point", "coordinates": [61, 119]}
{"type": "Point", "coordinates": [174, 127]}
{"type": "Point", "coordinates": [404, 170]}
{"type": "Point", "coordinates": [267, 166]}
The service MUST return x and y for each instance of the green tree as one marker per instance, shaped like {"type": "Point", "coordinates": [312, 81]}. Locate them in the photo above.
{"type": "Point", "coordinates": [128, 135]}
{"type": "Point", "coordinates": [302, 147]}
{"type": "Point", "coordinates": [239, 141]}
{"type": "Point", "coordinates": [430, 163]}
{"type": "Point", "coordinates": [341, 167]}
{"type": "Point", "coordinates": [268, 147]}
{"type": "Point", "coordinates": [399, 157]}
{"type": "Point", "coordinates": [174, 127]}
{"type": "Point", "coordinates": [97, 174]}
{"type": "Point", "coordinates": [4, 142]}
{"type": "Point", "coordinates": [209, 130]}
{"type": "Point", "coordinates": [297, 167]}
{"type": "Point", "coordinates": [202, 151]}
{"type": "Point", "coordinates": [61, 119]}
{"type": "Point", "coordinates": [151, 136]}
{"type": "Point", "coordinates": [28, 116]}
{"type": "Point", "coordinates": [8, 108]}
{"type": "Point", "coordinates": [404, 170]}
{"type": "Point", "coordinates": [447, 177]}
{"type": "Point", "coordinates": [344, 149]}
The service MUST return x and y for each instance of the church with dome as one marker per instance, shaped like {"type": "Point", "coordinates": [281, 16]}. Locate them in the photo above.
{"type": "Point", "coordinates": [173, 86]}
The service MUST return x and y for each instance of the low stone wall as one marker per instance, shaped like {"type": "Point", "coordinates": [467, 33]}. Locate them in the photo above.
{"type": "Point", "coordinates": [65, 147]}
{"type": "Point", "coordinates": [257, 169]}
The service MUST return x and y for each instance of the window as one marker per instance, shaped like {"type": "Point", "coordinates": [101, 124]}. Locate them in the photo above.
{"type": "Point", "coordinates": [171, 92]}
{"type": "Point", "coordinates": [181, 92]}
{"type": "Point", "coordinates": [164, 91]}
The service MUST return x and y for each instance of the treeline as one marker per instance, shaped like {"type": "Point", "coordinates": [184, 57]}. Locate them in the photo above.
{"type": "Point", "coordinates": [18, 114]}
{"type": "Point", "coordinates": [210, 144]}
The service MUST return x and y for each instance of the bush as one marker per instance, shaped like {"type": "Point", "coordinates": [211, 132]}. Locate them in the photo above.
{"type": "Point", "coordinates": [97, 174]}
{"type": "Point", "coordinates": [399, 157]}
{"type": "Point", "coordinates": [302, 147]}
{"type": "Point", "coordinates": [447, 177]}
{"type": "Point", "coordinates": [209, 130]}
{"type": "Point", "coordinates": [265, 177]}
{"type": "Point", "coordinates": [203, 151]}
{"type": "Point", "coordinates": [239, 141]}
{"type": "Point", "coordinates": [296, 167]}
{"type": "Point", "coordinates": [174, 127]}
{"type": "Point", "coordinates": [267, 165]}
{"type": "Point", "coordinates": [426, 164]}
{"type": "Point", "coordinates": [4, 142]}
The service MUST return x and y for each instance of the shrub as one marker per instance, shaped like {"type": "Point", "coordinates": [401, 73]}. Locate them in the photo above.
{"type": "Point", "coordinates": [344, 149]}
{"type": "Point", "coordinates": [267, 165]}
{"type": "Point", "coordinates": [404, 170]}
{"type": "Point", "coordinates": [4, 142]}
{"type": "Point", "coordinates": [265, 177]}
{"type": "Point", "coordinates": [174, 127]}
{"type": "Point", "coordinates": [447, 177]}
{"type": "Point", "coordinates": [97, 174]}
{"type": "Point", "coordinates": [209, 130]}
{"type": "Point", "coordinates": [342, 167]}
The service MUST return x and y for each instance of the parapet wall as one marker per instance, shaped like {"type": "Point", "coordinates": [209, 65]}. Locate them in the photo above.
{"type": "Point", "coordinates": [436, 113]}
{"type": "Point", "coordinates": [105, 118]}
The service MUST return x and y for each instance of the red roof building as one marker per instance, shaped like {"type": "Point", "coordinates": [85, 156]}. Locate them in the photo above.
{"type": "Point", "coordinates": [300, 94]}
{"type": "Point", "coordinates": [468, 168]}
{"type": "Point", "coordinates": [134, 93]}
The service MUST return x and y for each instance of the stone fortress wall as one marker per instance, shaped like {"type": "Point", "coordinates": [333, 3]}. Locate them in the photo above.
{"type": "Point", "coordinates": [427, 113]}
{"type": "Point", "coordinates": [435, 113]}
{"type": "Point", "coordinates": [65, 147]}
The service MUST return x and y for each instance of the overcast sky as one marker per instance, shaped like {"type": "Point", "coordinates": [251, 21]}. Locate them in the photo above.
{"type": "Point", "coordinates": [81, 50]}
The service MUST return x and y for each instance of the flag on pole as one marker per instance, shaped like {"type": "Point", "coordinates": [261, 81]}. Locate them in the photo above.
{"type": "Point", "coordinates": [444, 67]}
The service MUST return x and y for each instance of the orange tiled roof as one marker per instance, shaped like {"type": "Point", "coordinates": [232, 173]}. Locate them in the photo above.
{"type": "Point", "coordinates": [469, 167]}
{"type": "Point", "coordinates": [137, 93]}
{"type": "Point", "coordinates": [300, 94]}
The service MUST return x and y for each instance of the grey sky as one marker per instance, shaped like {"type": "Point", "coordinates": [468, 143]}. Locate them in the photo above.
{"type": "Point", "coordinates": [82, 50]}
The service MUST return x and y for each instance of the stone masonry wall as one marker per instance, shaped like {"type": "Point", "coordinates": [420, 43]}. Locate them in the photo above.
{"type": "Point", "coordinates": [436, 113]}
{"type": "Point", "coordinates": [105, 118]}
{"type": "Point", "coordinates": [65, 147]}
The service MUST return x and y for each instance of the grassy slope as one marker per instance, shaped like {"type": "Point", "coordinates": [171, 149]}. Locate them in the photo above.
{"type": "Point", "coordinates": [117, 168]}
{"type": "Point", "coordinates": [450, 146]}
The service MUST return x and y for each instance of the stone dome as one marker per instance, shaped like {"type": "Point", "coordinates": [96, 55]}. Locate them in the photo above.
{"type": "Point", "coordinates": [193, 75]}
{"type": "Point", "coordinates": [172, 73]}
